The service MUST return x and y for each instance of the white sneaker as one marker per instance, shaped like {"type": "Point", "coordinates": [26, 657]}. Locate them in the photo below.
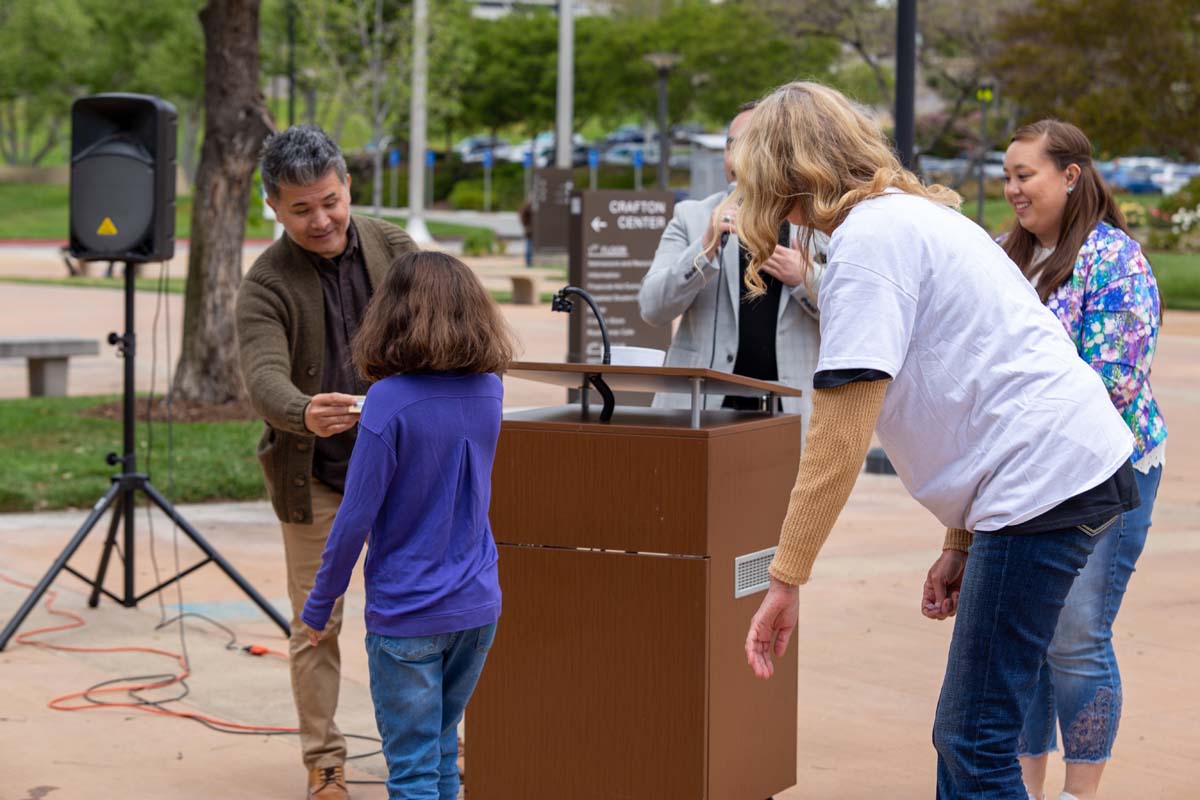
{"type": "Point", "coordinates": [1066, 796]}
{"type": "Point", "coordinates": [1033, 797]}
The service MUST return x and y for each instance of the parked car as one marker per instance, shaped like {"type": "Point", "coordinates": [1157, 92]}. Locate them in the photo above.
{"type": "Point", "coordinates": [1174, 177]}
{"type": "Point", "coordinates": [685, 131]}
{"type": "Point", "coordinates": [472, 148]}
{"type": "Point", "coordinates": [625, 134]}
{"type": "Point", "coordinates": [543, 150]}
{"type": "Point", "coordinates": [945, 169]}
{"type": "Point", "coordinates": [993, 165]}
{"type": "Point", "coordinates": [1137, 179]}
{"type": "Point", "coordinates": [681, 155]}
{"type": "Point", "coordinates": [624, 154]}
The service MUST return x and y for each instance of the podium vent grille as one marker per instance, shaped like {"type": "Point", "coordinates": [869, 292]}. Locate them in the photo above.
{"type": "Point", "coordinates": [750, 572]}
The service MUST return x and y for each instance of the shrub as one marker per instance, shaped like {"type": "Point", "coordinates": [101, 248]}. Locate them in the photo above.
{"type": "Point", "coordinates": [1174, 224]}
{"type": "Point", "coordinates": [1187, 197]}
{"type": "Point", "coordinates": [1135, 213]}
{"type": "Point", "coordinates": [508, 191]}
{"type": "Point", "coordinates": [481, 242]}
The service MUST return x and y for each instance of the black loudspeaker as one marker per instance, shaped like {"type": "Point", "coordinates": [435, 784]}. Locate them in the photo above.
{"type": "Point", "coordinates": [123, 178]}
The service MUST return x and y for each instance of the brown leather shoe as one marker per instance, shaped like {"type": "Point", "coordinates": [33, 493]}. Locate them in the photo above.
{"type": "Point", "coordinates": [328, 783]}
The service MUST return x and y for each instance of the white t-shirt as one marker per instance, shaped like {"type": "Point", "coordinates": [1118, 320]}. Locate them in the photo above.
{"type": "Point", "coordinates": [992, 418]}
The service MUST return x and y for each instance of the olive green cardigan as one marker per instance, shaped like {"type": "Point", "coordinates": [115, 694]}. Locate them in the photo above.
{"type": "Point", "coordinates": [281, 343]}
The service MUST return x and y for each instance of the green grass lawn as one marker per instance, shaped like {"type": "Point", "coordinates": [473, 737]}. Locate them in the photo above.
{"type": "Point", "coordinates": [144, 284]}
{"type": "Point", "coordinates": [39, 211]}
{"type": "Point", "coordinates": [1178, 276]}
{"type": "Point", "coordinates": [54, 456]}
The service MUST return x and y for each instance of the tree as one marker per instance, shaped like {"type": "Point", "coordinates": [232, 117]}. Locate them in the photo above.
{"type": "Point", "coordinates": [1127, 73]}
{"type": "Point", "coordinates": [715, 76]}
{"type": "Point", "coordinates": [361, 49]}
{"type": "Point", "coordinates": [514, 80]}
{"type": "Point", "coordinates": [958, 38]}
{"type": "Point", "coordinates": [41, 68]}
{"type": "Point", "coordinates": [866, 28]}
{"type": "Point", "coordinates": [235, 123]}
{"type": "Point", "coordinates": [956, 42]}
{"type": "Point", "coordinates": [452, 60]}
{"type": "Point", "coordinates": [151, 48]}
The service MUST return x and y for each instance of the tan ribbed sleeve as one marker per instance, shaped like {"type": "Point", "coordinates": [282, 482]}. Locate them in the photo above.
{"type": "Point", "coordinates": [957, 539]}
{"type": "Point", "coordinates": [838, 437]}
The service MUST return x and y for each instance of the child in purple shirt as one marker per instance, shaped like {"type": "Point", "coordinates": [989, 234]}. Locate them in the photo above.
{"type": "Point", "coordinates": [432, 343]}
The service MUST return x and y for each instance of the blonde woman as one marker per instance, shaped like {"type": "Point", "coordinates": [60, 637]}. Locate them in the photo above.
{"type": "Point", "coordinates": [931, 336]}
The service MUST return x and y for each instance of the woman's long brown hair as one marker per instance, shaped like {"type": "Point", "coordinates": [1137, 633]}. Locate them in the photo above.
{"type": "Point", "coordinates": [431, 314]}
{"type": "Point", "coordinates": [1090, 202]}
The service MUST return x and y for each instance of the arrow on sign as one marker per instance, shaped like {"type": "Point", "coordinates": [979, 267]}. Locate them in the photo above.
{"type": "Point", "coordinates": [598, 224]}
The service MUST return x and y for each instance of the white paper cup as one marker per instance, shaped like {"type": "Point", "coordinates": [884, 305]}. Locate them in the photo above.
{"type": "Point", "coordinates": [628, 356]}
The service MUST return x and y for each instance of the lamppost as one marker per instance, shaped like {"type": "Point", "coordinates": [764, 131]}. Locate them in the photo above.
{"type": "Point", "coordinates": [662, 63]}
{"type": "Point", "coordinates": [984, 95]}
{"type": "Point", "coordinates": [291, 61]}
{"type": "Point", "coordinates": [377, 173]}
{"type": "Point", "coordinates": [906, 81]}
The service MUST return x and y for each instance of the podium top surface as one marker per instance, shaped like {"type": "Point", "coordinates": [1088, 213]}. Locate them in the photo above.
{"type": "Point", "coordinates": [654, 421]}
{"type": "Point", "coordinates": [670, 380]}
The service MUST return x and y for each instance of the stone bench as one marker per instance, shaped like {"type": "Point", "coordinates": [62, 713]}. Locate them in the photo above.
{"type": "Point", "coordinates": [47, 358]}
{"type": "Point", "coordinates": [528, 284]}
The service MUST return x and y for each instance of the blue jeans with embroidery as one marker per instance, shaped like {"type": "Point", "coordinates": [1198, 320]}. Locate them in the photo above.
{"type": "Point", "coordinates": [420, 686]}
{"type": "Point", "coordinates": [1012, 592]}
{"type": "Point", "coordinates": [1080, 684]}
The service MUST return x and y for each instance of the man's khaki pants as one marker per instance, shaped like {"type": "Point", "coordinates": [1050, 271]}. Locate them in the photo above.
{"type": "Point", "coordinates": [316, 671]}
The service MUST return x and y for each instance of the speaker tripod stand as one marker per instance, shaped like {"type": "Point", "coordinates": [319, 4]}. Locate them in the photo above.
{"type": "Point", "coordinates": [121, 497]}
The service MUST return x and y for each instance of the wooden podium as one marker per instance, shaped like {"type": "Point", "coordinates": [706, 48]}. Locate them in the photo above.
{"type": "Point", "coordinates": [632, 556]}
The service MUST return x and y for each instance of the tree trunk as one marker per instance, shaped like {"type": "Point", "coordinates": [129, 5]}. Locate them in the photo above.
{"type": "Point", "coordinates": [236, 121]}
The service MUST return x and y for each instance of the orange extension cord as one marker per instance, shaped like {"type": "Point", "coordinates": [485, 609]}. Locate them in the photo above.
{"type": "Point", "coordinates": [61, 703]}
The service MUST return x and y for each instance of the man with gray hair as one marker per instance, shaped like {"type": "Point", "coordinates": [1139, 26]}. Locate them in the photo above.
{"type": "Point", "coordinates": [297, 310]}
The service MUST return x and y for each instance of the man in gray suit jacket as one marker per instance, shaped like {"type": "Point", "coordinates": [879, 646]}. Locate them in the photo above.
{"type": "Point", "coordinates": [697, 276]}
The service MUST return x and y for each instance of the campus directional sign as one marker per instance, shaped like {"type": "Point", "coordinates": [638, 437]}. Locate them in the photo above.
{"type": "Point", "coordinates": [551, 194]}
{"type": "Point", "coordinates": [614, 235]}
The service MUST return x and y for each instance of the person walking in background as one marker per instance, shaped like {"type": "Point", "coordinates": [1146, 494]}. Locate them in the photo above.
{"type": "Point", "coordinates": [297, 309]}
{"type": "Point", "coordinates": [1071, 241]}
{"type": "Point", "coordinates": [433, 343]}
{"type": "Point", "coordinates": [696, 276]}
{"type": "Point", "coordinates": [525, 214]}
{"type": "Point", "coordinates": [931, 333]}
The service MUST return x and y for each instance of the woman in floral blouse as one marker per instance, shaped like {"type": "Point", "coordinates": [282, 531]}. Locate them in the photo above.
{"type": "Point", "coordinates": [1071, 241]}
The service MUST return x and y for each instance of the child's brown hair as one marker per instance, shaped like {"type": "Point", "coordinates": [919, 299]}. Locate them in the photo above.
{"type": "Point", "coordinates": [431, 314]}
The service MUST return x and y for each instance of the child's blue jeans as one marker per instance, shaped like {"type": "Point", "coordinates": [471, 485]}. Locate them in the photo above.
{"type": "Point", "coordinates": [420, 686]}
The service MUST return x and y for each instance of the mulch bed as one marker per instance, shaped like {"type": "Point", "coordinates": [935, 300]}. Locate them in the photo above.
{"type": "Point", "coordinates": [176, 411]}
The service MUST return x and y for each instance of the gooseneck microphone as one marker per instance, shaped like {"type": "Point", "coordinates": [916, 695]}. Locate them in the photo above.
{"type": "Point", "coordinates": [560, 302]}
